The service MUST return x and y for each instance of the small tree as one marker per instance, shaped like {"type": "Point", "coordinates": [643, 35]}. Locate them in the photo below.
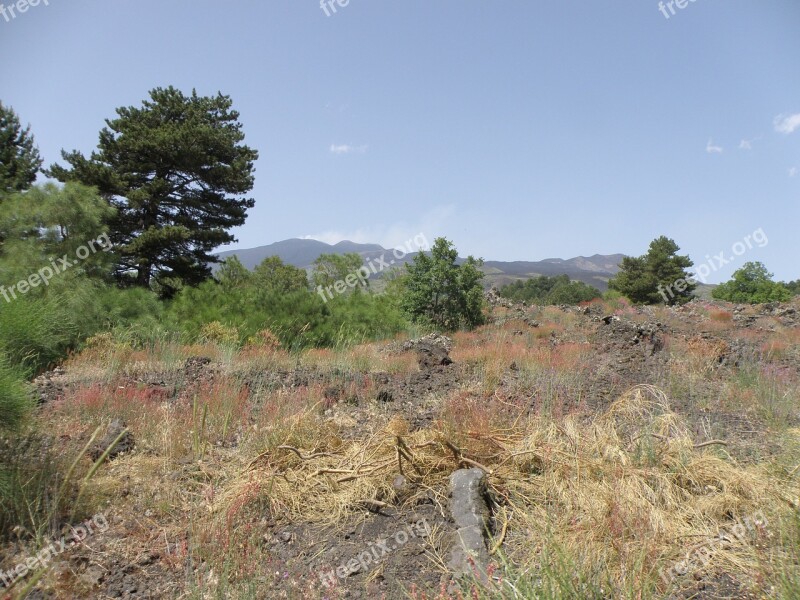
{"type": "Point", "coordinates": [273, 276]}
{"type": "Point", "coordinates": [19, 158]}
{"type": "Point", "coordinates": [233, 274]}
{"type": "Point", "coordinates": [793, 287]}
{"type": "Point", "coordinates": [752, 284]}
{"type": "Point", "coordinates": [439, 291]}
{"type": "Point", "coordinates": [48, 222]}
{"type": "Point", "coordinates": [659, 276]}
{"type": "Point", "coordinates": [330, 268]}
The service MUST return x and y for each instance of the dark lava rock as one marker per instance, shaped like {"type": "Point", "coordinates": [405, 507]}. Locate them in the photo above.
{"type": "Point", "coordinates": [125, 444]}
{"type": "Point", "coordinates": [431, 355]}
{"type": "Point", "coordinates": [385, 395]}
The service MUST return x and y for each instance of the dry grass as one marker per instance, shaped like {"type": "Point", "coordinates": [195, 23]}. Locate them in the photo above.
{"type": "Point", "coordinates": [622, 497]}
{"type": "Point", "coordinates": [631, 485]}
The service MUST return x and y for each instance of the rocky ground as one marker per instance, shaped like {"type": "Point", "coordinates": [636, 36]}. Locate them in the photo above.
{"type": "Point", "coordinates": [407, 540]}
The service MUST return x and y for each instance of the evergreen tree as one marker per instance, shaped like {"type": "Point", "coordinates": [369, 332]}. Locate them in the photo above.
{"type": "Point", "coordinates": [49, 227]}
{"type": "Point", "coordinates": [549, 290]}
{"type": "Point", "coordinates": [175, 169]}
{"type": "Point", "coordinates": [19, 157]}
{"type": "Point", "coordinates": [330, 268]}
{"type": "Point", "coordinates": [659, 276]}
{"type": "Point", "coordinates": [272, 275]}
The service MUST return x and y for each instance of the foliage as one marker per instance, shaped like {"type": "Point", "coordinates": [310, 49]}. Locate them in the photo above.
{"type": "Point", "coordinates": [49, 222]}
{"type": "Point", "coordinates": [41, 226]}
{"type": "Point", "coordinates": [276, 297]}
{"type": "Point", "coordinates": [549, 290]}
{"type": "Point", "coordinates": [39, 328]}
{"type": "Point", "coordinates": [752, 284]}
{"type": "Point", "coordinates": [217, 333]}
{"type": "Point", "coordinates": [15, 397]}
{"type": "Point", "coordinates": [175, 169]}
{"type": "Point", "coordinates": [272, 276]}
{"type": "Point", "coordinates": [793, 287]}
{"type": "Point", "coordinates": [19, 158]}
{"type": "Point", "coordinates": [331, 268]}
{"type": "Point", "coordinates": [660, 276]}
{"type": "Point", "coordinates": [439, 291]}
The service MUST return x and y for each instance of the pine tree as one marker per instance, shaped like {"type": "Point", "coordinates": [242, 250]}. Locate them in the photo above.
{"type": "Point", "coordinates": [175, 169]}
{"type": "Point", "coordinates": [660, 276]}
{"type": "Point", "coordinates": [19, 157]}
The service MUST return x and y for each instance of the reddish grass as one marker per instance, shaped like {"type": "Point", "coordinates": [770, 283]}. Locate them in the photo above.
{"type": "Point", "coordinates": [719, 315]}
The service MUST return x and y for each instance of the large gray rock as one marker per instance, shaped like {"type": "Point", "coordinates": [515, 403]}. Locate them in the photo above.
{"type": "Point", "coordinates": [471, 515]}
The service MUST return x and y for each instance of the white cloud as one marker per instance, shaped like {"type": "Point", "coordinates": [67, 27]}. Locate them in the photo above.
{"type": "Point", "coordinates": [793, 171]}
{"type": "Point", "coordinates": [746, 145]}
{"type": "Point", "coordinates": [431, 225]}
{"type": "Point", "coordinates": [712, 149]}
{"type": "Point", "coordinates": [347, 149]}
{"type": "Point", "coordinates": [787, 123]}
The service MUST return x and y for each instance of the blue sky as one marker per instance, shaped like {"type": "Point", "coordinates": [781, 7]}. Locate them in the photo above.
{"type": "Point", "coordinates": [521, 130]}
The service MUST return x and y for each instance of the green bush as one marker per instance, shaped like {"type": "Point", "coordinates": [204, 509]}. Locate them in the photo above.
{"type": "Point", "coordinates": [549, 290]}
{"type": "Point", "coordinates": [752, 284]}
{"type": "Point", "coordinates": [274, 297]}
{"type": "Point", "coordinates": [793, 287]}
{"type": "Point", "coordinates": [15, 396]}
{"type": "Point", "coordinates": [437, 290]}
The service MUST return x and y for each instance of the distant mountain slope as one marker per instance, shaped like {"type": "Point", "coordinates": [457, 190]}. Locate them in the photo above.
{"type": "Point", "coordinates": [594, 270]}
{"type": "Point", "coordinates": [303, 252]}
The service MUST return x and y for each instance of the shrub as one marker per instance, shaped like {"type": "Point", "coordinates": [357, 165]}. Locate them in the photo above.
{"type": "Point", "coordinates": [217, 333]}
{"type": "Point", "coordinates": [550, 290]}
{"type": "Point", "coordinates": [440, 291]}
{"type": "Point", "coordinates": [15, 396]}
{"type": "Point", "coordinates": [752, 284]}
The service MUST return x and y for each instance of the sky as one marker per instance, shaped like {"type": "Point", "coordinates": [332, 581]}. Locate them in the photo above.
{"type": "Point", "coordinates": [519, 130]}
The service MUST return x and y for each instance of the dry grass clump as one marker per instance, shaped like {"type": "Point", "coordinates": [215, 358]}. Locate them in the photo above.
{"type": "Point", "coordinates": [629, 490]}
{"type": "Point", "coordinates": [316, 475]}
{"type": "Point", "coordinates": [492, 353]}
{"type": "Point", "coordinates": [364, 358]}
{"type": "Point", "coordinates": [620, 495]}
{"type": "Point", "coordinates": [696, 357]}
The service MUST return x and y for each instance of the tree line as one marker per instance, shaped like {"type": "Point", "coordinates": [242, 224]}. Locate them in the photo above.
{"type": "Point", "coordinates": [662, 276]}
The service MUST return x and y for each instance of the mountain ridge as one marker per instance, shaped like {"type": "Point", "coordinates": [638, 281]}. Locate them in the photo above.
{"type": "Point", "coordinates": [594, 270]}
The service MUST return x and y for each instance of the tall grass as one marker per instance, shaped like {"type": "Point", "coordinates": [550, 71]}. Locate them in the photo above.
{"type": "Point", "coordinates": [15, 396]}
{"type": "Point", "coordinates": [40, 487]}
